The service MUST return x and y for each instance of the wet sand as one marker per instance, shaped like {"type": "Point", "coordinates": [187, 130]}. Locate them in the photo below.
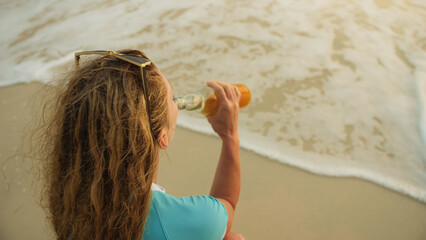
{"type": "Point", "coordinates": [276, 202]}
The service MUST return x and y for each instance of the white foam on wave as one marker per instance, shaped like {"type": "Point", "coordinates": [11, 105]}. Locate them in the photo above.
{"type": "Point", "coordinates": [338, 88]}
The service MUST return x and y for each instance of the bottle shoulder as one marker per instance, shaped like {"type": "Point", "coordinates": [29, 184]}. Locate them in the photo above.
{"type": "Point", "coordinates": [205, 91]}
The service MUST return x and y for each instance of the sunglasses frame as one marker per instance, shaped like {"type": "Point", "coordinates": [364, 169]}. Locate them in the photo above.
{"type": "Point", "coordinates": [135, 60]}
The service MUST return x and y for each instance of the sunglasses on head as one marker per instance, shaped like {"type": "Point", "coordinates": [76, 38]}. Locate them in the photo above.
{"type": "Point", "coordinates": [138, 61]}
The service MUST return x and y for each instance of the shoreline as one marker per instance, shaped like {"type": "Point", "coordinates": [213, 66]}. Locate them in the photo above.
{"type": "Point", "coordinates": [277, 200]}
{"type": "Point", "coordinates": [355, 177]}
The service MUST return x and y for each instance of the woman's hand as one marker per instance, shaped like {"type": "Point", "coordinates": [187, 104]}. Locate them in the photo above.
{"type": "Point", "coordinates": [225, 122]}
{"type": "Point", "coordinates": [233, 236]}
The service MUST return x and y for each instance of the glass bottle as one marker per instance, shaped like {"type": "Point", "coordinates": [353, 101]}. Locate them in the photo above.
{"type": "Point", "coordinates": [206, 101]}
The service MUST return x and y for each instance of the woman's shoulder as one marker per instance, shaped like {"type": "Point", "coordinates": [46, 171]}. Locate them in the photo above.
{"type": "Point", "coordinates": [192, 217]}
{"type": "Point", "coordinates": [203, 207]}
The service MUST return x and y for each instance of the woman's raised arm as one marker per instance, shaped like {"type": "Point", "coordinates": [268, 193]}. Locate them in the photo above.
{"type": "Point", "coordinates": [227, 181]}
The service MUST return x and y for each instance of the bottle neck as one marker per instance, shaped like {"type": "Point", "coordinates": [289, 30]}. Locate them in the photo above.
{"type": "Point", "coordinates": [180, 102]}
{"type": "Point", "coordinates": [194, 101]}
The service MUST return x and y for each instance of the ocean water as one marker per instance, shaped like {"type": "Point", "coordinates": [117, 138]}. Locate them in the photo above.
{"type": "Point", "coordinates": [338, 87]}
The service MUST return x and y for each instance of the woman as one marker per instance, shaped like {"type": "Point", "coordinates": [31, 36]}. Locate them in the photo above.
{"type": "Point", "coordinates": [110, 122]}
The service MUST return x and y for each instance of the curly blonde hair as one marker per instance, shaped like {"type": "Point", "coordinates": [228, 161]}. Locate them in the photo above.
{"type": "Point", "coordinates": [100, 156]}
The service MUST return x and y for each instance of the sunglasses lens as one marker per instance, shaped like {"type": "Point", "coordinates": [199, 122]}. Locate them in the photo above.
{"type": "Point", "coordinates": [139, 60]}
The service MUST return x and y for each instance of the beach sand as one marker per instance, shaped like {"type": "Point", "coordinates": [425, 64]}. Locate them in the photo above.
{"type": "Point", "coordinates": [276, 202]}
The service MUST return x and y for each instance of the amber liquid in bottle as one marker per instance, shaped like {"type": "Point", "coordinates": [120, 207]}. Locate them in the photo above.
{"type": "Point", "coordinates": [206, 101]}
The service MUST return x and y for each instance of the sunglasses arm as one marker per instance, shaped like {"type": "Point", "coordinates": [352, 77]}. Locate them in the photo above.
{"type": "Point", "coordinates": [99, 52]}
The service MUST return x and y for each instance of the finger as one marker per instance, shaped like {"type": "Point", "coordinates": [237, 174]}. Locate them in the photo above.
{"type": "Point", "coordinates": [218, 88]}
{"type": "Point", "coordinates": [237, 93]}
{"type": "Point", "coordinates": [229, 89]}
